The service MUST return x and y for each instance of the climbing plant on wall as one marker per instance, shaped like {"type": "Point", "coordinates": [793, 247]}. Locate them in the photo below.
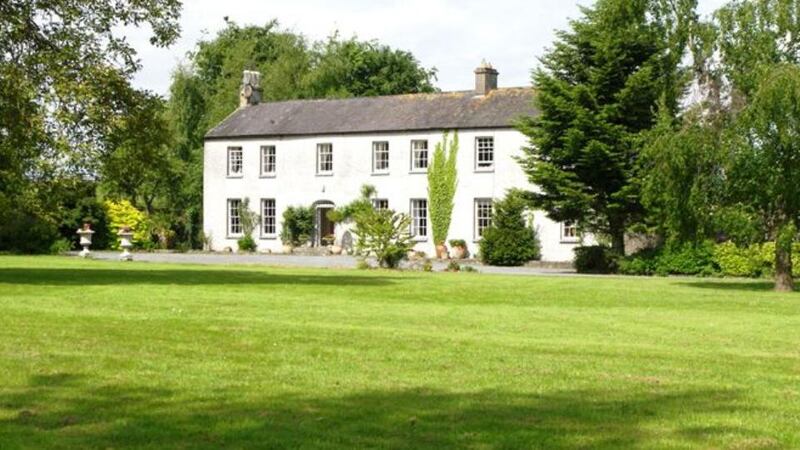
{"type": "Point", "coordinates": [442, 181]}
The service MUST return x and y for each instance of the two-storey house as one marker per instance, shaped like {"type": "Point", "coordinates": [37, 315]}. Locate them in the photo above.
{"type": "Point", "coordinates": [320, 153]}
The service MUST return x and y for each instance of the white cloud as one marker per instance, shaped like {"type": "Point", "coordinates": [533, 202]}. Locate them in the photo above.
{"type": "Point", "coordinates": [451, 35]}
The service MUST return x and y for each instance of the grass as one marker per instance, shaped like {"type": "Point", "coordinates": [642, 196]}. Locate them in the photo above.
{"type": "Point", "coordinates": [113, 355]}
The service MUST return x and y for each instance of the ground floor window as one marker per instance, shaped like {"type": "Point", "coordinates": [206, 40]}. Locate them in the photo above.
{"type": "Point", "coordinates": [234, 217]}
{"type": "Point", "coordinates": [569, 231]}
{"type": "Point", "coordinates": [419, 218]}
{"type": "Point", "coordinates": [483, 216]}
{"type": "Point", "coordinates": [268, 218]}
{"type": "Point", "coordinates": [380, 203]}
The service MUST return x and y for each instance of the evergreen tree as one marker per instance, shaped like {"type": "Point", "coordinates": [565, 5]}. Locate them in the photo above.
{"type": "Point", "coordinates": [596, 91]}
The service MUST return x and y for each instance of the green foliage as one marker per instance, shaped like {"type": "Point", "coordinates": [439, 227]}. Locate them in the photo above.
{"type": "Point", "coordinates": [453, 266]}
{"type": "Point", "coordinates": [248, 218]}
{"type": "Point", "coordinates": [298, 225]}
{"type": "Point", "coordinates": [458, 243]}
{"type": "Point", "coordinates": [247, 244]}
{"type": "Point", "coordinates": [442, 183]}
{"type": "Point", "coordinates": [383, 234]}
{"type": "Point", "coordinates": [352, 209]}
{"type": "Point", "coordinates": [595, 259]}
{"type": "Point", "coordinates": [362, 264]}
{"type": "Point", "coordinates": [509, 241]}
{"type": "Point", "coordinates": [60, 246]}
{"type": "Point", "coordinates": [123, 214]}
{"type": "Point", "coordinates": [687, 259]}
{"type": "Point", "coordinates": [596, 91]}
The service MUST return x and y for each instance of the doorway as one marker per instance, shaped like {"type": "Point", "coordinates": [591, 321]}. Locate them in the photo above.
{"type": "Point", "coordinates": [324, 227]}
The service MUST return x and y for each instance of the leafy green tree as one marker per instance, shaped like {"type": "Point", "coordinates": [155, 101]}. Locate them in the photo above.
{"type": "Point", "coordinates": [765, 167]}
{"type": "Point", "coordinates": [65, 70]}
{"type": "Point", "coordinates": [442, 183]}
{"type": "Point", "coordinates": [597, 90]}
{"type": "Point", "coordinates": [383, 234]}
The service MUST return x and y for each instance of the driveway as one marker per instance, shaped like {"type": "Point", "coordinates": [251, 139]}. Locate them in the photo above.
{"type": "Point", "coordinates": [330, 262]}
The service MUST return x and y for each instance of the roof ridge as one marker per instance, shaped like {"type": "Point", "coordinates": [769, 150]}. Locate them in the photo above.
{"type": "Point", "coordinates": [374, 97]}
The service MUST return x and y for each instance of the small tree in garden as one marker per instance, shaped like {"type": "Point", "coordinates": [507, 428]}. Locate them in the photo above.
{"type": "Point", "coordinates": [442, 181]}
{"type": "Point", "coordinates": [383, 234]}
{"type": "Point", "coordinates": [298, 225]}
{"type": "Point", "coordinates": [249, 220]}
{"type": "Point", "coordinates": [509, 241]}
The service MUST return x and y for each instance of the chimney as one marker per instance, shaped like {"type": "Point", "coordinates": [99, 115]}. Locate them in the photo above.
{"type": "Point", "coordinates": [485, 78]}
{"type": "Point", "coordinates": [251, 89]}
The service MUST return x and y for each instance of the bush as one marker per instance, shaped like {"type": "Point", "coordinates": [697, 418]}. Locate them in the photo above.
{"type": "Point", "coordinates": [644, 262]}
{"type": "Point", "coordinates": [60, 246]}
{"type": "Point", "coordinates": [384, 234]}
{"type": "Point", "coordinates": [123, 214]}
{"type": "Point", "coordinates": [687, 259]}
{"type": "Point", "coordinates": [595, 259]}
{"type": "Point", "coordinates": [247, 244]}
{"type": "Point", "coordinates": [458, 243]}
{"type": "Point", "coordinates": [298, 225]}
{"type": "Point", "coordinates": [509, 241]}
{"type": "Point", "coordinates": [453, 266]}
{"type": "Point", "coordinates": [735, 261]}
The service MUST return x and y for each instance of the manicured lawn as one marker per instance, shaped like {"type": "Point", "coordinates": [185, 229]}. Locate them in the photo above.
{"type": "Point", "coordinates": [113, 355]}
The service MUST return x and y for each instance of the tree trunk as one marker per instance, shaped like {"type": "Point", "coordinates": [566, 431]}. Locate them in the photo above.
{"type": "Point", "coordinates": [618, 241]}
{"type": "Point", "coordinates": [783, 267]}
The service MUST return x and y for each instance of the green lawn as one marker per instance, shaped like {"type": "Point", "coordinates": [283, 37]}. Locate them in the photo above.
{"type": "Point", "coordinates": [113, 355]}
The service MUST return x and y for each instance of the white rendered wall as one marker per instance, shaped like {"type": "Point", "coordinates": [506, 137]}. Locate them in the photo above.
{"type": "Point", "coordinates": [297, 183]}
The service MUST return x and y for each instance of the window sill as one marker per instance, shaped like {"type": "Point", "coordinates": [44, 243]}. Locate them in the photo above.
{"type": "Point", "coordinates": [379, 174]}
{"type": "Point", "coordinates": [324, 174]}
{"type": "Point", "coordinates": [418, 171]}
{"type": "Point", "coordinates": [570, 241]}
{"type": "Point", "coordinates": [484, 170]}
{"type": "Point", "coordinates": [267, 175]}
{"type": "Point", "coordinates": [235, 176]}
{"type": "Point", "coordinates": [419, 238]}
{"type": "Point", "coordinates": [269, 237]}
{"type": "Point", "coordinates": [234, 236]}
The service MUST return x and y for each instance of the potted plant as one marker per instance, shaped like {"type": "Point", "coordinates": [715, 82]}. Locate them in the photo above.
{"type": "Point", "coordinates": [459, 247]}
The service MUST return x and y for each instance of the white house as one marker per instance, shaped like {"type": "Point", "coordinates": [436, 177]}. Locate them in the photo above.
{"type": "Point", "coordinates": [320, 153]}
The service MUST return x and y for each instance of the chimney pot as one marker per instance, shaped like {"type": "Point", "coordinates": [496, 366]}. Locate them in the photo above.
{"type": "Point", "coordinates": [250, 93]}
{"type": "Point", "coordinates": [485, 78]}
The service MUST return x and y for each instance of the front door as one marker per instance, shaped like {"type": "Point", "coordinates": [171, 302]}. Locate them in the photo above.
{"type": "Point", "coordinates": [325, 227]}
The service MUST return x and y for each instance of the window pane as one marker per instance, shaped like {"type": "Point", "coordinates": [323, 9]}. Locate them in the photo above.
{"type": "Point", "coordinates": [234, 160]}
{"type": "Point", "coordinates": [484, 152]}
{"type": "Point", "coordinates": [268, 159]}
{"type": "Point", "coordinates": [419, 217]}
{"type": "Point", "coordinates": [419, 154]}
{"type": "Point", "coordinates": [380, 156]}
{"type": "Point", "coordinates": [268, 216]}
{"type": "Point", "coordinates": [324, 158]}
{"type": "Point", "coordinates": [234, 218]}
{"type": "Point", "coordinates": [483, 216]}
{"type": "Point", "coordinates": [380, 203]}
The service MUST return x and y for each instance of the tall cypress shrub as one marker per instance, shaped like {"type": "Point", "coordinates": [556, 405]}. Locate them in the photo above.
{"type": "Point", "coordinates": [442, 182]}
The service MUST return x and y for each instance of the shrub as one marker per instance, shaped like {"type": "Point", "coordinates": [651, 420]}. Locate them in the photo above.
{"type": "Point", "coordinates": [735, 261]}
{"type": "Point", "coordinates": [442, 181]}
{"type": "Point", "coordinates": [509, 241]}
{"type": "Point", "coordinates": [247, 244]}
{"type": "Point", "coordinates": [427, 266]}
{"type": "Point", "coordinates": [458, 243]}
{"type": "Point", "coordinates": [384, 234]}
{"type": "Point", "coordinates": [468, 269]}
{"type": "Point", "coordinates": [644, 262]}
{"type": "Point", "coordinates": [453, 266]}
{"type": "Point", "coordinates": [60, 246]}
{"type": "Point", "coordinates": [687, 259]}
{"type": "Point", "coordinates": [298, 225]}
{"type": "Point", "coordinates": [362, 264]}
{"type": "Point", "coordinates": [123, 214]}
{"type": "Point", "coordinates": [595, 259]}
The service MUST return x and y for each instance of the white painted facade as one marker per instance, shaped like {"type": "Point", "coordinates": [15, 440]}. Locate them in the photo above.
{"type": "Point", "coordinates": [297, 183]}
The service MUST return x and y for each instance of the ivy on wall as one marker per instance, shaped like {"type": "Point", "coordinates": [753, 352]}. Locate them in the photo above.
{"type": "Point", "coordinates": [442, 182]}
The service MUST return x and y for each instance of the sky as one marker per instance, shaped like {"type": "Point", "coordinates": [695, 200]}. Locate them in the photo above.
{"type": "Point", "coordinates": [453, 36]}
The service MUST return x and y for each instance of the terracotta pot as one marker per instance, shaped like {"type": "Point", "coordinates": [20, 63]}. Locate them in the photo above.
{"type": "Point", "coordinates": [441, 251]}
{"type": "Point", "coordinates": [458, 252]}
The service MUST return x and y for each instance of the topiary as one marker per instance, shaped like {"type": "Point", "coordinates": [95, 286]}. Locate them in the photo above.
{"type": "Point", "coordinates": [509, 241]}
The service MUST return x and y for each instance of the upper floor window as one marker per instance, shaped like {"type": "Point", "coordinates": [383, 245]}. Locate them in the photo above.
{"type": "Point", "coordinates": [419, 218]}
{"type": "Point", "coordinates": [380, 157]}
{"type": "Point", "coordinates": [484, 153]}
{"type": "Point", "coordinates": [234, 217]}
{"type": "Point", "coordinates": [419, 155]}
{"type": "Point", "coordinates": [234, 161]}
{"type": "Point", "coordinates": [483, 216]}
{"type": "Point", "coordinates": [268, 160]}
{"type": "Point", "coordinates": [268, 217]}
{"type": "Point", "coordinates": [380, 203]}
{"type": "Point", "coordinates": [569, 231]}
{"type": "Point", "coordinates": [324, 159]}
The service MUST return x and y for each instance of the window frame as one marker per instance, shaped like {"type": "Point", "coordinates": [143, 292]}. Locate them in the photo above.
{"type": "Point", "coordinates": [477, 231]}
{"type": "Point", "coordinates": [375, 150]}
{"type": "Point", "coordinates": [477, 154]}
{"type": "Point", "coordinates": [413, 153]}
{"type": "Point", "coordinates": [319, 171]}
{"type": "Point", "coordinates": [229, 161]}
{"type": "Point", "coordinates": [414, 220]}
{"type": "Point", "coordinates": [262, 154]}
{"type": "Point", "coordinates": [228, 217]}
{"type": "Point", "coordinates": [274, 234]}
{"type": "Point", "coordinates": [569, 224]}
{"type": "Point", "coordinates": [377, 201]}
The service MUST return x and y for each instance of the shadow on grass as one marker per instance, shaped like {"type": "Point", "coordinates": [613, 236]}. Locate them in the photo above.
{"type": "Point", "coordinates": [732, 285]}
{"type": "Point", "coordinates": [73, 412]}
{"type": "Point", "coordinates": [95, 277]}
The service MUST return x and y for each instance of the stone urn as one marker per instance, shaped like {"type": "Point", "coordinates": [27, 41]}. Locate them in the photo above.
{"type": "Point", "coordinates": [125, 243]}
{"type": "Point", "coordinates": [287, 249]}
{"type": "Point", "coordinates": [458, 252]}
{"type": "Point", "coordinates": [85, 234]}
{"type": "Point", "coordinates": [336, 249]}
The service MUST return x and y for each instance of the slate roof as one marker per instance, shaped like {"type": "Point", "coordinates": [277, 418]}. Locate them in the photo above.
{"type": "Point", "coordinates": [411, 112]}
